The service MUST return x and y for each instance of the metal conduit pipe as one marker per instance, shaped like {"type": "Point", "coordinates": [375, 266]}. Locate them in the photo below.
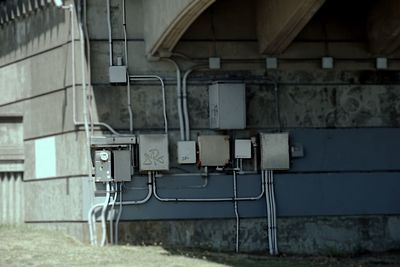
{"type": "Point", "coordinates": [112, 215]}
{"type": "Point", "coordinates": [119, 215]}
{"type": "Point", "coordinates": [73, 73]}
{"type": "Point", "coordinates": [184, 99]}
{"type": "Point", "coordinates": [268, 206]}
{"type": "Point", "coordinates": [227, 199]}
{"type": "Point", "coordinates": [178, 97]}
{"type": "Point", "coordinates": [274, 215]}
{"type": "Point", "coordinates": [103, 216]}
{"type": "Point", "coordinates": [152, 78]}
{"type": "Point", "coordinates": [128, 86]}
{"type": "Point", "coordinates": [91, 213]}
{"type": "Point", "coordinates": [236, 211]}
{"type": "Point", "coordinates": [110, 43]}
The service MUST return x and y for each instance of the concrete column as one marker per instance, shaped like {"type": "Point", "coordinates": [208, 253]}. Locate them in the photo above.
{"type": "Point", "coordinates": [280, 21]}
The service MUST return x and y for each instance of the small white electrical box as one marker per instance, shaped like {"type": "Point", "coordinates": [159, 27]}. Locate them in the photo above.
{"type": "Point", "coordinates": [117, 74]}
{"type": "Point", "coordinates": [153, 152]}
{"type": "Point", "coordinates": [242, 149]}
{"type": "Point", "coordinates": [381, 63]}
{"type": "Point", "coordinates": [214, 150]}
{"type": "Point", "coordinates": [274, 151]}
{"type": "Point", "coordinates": [227, 105]}
{"type": "Point", "coordinates": [214, 63]}
{"type": "Point", "coordinates": [186, 152]}
{"type": "Point", "coordinates": [271, 62]}
{"type": "Point", "coordinates": [327, 62]}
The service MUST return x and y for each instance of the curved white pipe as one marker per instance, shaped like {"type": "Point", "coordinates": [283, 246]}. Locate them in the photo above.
{"type": "Point", "coordinates": [103, 216]}
{"type": "Point", "coordinates": [274, 214]}
{"type": "Point", "coordinates": [227, 199]}
{"type": "Point", "coordinates": [110, 44]}
{"type": "Point", "coordinates": [152, 78]}
{"type": "Point", "coordinates": [184, 99]}
{"type": "Point", "coordinates": [178, 97]}
{"type": "Point", "coordinates": [236, 211]}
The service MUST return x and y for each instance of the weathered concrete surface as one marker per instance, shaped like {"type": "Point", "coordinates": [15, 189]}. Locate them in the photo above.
{"type": "Point", "coordinates": [279, 22]}
{"type": "Point", "coordinates": [383, 27]}
{"type": "Point", "coordinates": [11, 197]}
{"type": "Point", "coordinates": [162, 32]}
{"type": "Point", "coordinates": [71, 156]}
{"type": "Point", "coordinates": [307, 235]}
{"type": "Point", "coordinates": [54, 200]}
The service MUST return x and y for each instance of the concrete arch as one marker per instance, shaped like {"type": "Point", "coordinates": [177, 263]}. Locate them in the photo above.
{"type": "Point", "coordinates": [167, 21]}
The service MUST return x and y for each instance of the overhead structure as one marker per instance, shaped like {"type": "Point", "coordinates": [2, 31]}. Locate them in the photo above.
{"type": "Point", "coordinates": [383, 27]}
{"type": "Point", "coordinates": [162, 32]}
{"type": "Point", "coordinates": [280, 21]}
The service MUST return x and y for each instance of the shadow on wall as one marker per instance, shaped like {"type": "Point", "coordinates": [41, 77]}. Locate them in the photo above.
{"type": "Point", "coordinates": [34, 29]}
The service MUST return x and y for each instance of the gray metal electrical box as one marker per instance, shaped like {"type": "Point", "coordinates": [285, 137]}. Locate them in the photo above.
{"type": "Point", "coordinates": [227, 105]}
{"type": "Point", "coordinates": [102, 166]}
{"type": "Point", "coordinates": [122, 165]}
{"type": "Point", "coordinates": [117, 74]}
{"type": "Point", "coordinates": [275, 151]}
{"type": "Point", "coordinates": [153, 152]}
{"type": "Point", "coordinates": [214, 150]}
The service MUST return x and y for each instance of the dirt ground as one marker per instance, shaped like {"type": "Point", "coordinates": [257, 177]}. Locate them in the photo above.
{"type": "Point", "coordinates": [24, 246]}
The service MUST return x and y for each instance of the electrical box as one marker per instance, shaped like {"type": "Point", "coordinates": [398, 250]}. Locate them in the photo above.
{"type": "Point", "coordinates": [242, 149]}
{"type": "Point", "coordinates": [275, 151]}
{"type": "Point", "coordinates": [214, 63]}
{"type": "Point", "coordinates": [153, 152]}
{"type": "Point", "coordinates": [103, 166]}
{"type": "Point", "coordinates": [214, 150]}
{"type": "Point", "coordinates": [227, 105]}
{"type": "Point", "coordinates": [186, 152]}
{"type": "Point", "coordinates": [122, 165]}
{"type": "Point", "coordinates": [117, 74]}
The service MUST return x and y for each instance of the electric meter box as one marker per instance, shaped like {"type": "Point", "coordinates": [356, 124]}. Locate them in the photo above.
{"type": "Point", "coordinates": [274, 151]}
{"type": "Point", "coordinates": [227, 105]}
{"type": "Point", "coordinates": [214, 150]}
{"type": "Point", "coordinates": [122, 165]}
{"type": "Point", "coordinates": [153, 152]}
{"type": "Point", "coordinates": [102, 164]}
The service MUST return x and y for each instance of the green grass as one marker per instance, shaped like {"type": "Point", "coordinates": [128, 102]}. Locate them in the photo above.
{"type": "Point", "coordinates": [25, 246]}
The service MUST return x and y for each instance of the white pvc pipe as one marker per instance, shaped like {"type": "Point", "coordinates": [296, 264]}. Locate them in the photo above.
{"type": "Point", "coordinates": [119, 215]}
{"type": "Point", "coordinates": [184, 100]}
{"type": "Point", "coordinates": [152, 78]}
{"type": "Point", "coordinates": [110, 43]}
{"type": "Point", "coordinates": [274, 214]}
{"type": "Point", "coordinates": [103, 216]}
{"type": "Point", "coordinates": [236, 211]}
{"type": "Point", "coordinates": [268, 206]}
{"type": "Point", "coordinates": [227, 199]}
{"type": "Point", "coordinates": [178, 97]}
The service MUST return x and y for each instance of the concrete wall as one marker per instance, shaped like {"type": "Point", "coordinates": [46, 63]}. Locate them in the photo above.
{"type": "Point", "coordinates": [35, 79]}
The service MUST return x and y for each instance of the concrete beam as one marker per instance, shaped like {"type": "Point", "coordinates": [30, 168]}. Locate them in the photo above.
{"type": "Point", "coordinates": [383, 27]}
{"type": "Point", "coordinates": [166, 21]}
{"type": "Point", "coordinates": [280, 21]}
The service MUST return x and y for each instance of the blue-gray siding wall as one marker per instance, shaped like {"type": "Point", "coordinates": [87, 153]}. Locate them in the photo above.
{"type": "Point", "coordinates": [343, 172]}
